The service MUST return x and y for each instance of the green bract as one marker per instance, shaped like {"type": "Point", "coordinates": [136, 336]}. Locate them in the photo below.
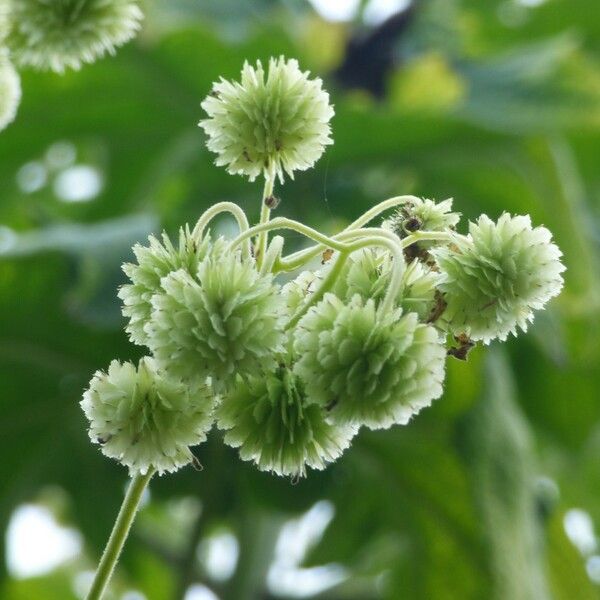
{"type": "Point", "coordinates": [268, 124]}
{"type": "Point", "coordinates": [10, 90]}
{"type": "Point", "coordinates": [153, 263]}
{"type": "Point", "coordinates": [276, 425]}
{"type": "Point", "coordinates": [495, 278]}
{"type": "Point", "coordinates": [366, 368]}
{"type": "Point", "coordinates": [144, 419]}
{"type": "Point", "coordinates": [225, 320]}
{"type": "Point", "coordinates": [60, 34]}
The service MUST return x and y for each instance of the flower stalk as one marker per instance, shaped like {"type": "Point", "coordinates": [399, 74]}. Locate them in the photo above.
{"type": "Point", "coordinates": [119, 534]}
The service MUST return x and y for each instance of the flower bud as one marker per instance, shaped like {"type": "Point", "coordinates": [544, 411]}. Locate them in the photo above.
{"type": "Point", "coordinates": [422, 215]}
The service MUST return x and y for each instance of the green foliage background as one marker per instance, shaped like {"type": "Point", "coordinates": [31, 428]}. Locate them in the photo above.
{"type": "Point", "coordinates": [495, 103]}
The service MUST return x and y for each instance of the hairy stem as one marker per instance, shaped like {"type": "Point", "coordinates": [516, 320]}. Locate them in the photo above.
{"type": "Point", "coordinates": [119, 534]}
{"type": "Point", "coordinates": [323, 288]}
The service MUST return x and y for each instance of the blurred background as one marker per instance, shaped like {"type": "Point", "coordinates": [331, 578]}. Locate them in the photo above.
{"type": "Point", "coordinates": [493, 492]}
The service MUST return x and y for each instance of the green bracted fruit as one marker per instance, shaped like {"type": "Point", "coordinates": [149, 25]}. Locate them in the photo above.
{"type": "Point", "coordinates": [275, 425]}
{"type": "Point", "coordinates": [275, 124]}
{"type": "Point", "coordinates": [225, 320]}
{"type": "Point", "coordinates": [368, 369]}
{"type": "Point", "coordinates": [63, 34]}
{"type": "Point", "coordinates": [153, 263]}
{"type": "Point", "coordinates": [496, 277]}
{"type": "Point", "coordinates": [144, 419]}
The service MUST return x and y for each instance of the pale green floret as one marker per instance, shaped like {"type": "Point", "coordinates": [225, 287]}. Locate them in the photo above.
{"type": "Point", "coordinates": [10, 91]}
{"type": "Point", "coordinates": [225, 320]}
{"type": "Point", "coordinates": [63, 34]}
{"type": "Point", "coordinates": [368, 369]}
{"type": "Point", "coordinates": [155, 261]}
{"type": "Point", "coordinates": [272, 123]}
{"type": "Point", "coordinates": [422, 215]}
{"type": "Point", "coordinates": [495, 278]}
{"type": "Point", "coordinates": [146, 420]}
{"type": "Point", "coordinates": [274, 424]}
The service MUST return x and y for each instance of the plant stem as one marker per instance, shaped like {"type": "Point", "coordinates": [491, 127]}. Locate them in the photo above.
{"type": "Point", "coordinates": [265, 214]}
{"type": "Point", "coordinates": [119, 534]}
{"type": "Point", "coordinates": [297, 259]}
{"type": "Point", "coordinates": [378, 209]}
{"type": "Point", "coordinates": [430, 236]}
{"type": "Point", "coordinates": [216, 209]}
{"type": "Point", "coordinates": [283, 223]}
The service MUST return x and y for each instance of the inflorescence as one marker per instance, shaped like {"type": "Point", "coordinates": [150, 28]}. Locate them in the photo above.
{"type": "Point", "coordinates": [57, 35]}
{"type": "Point", "coordinates": [290, 373]}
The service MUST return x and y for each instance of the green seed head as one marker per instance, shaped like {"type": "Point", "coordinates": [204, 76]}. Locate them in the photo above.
{"type": "Point", "coordinates": [143, 419]}
{"type": "Point", "coordinates": [225, 320]}
{"type": "Point", "coordinates": [495, 278]}
{"type": "Point", "coordinates": [275, 425]}
{"type": "Point", "coordinates": [154, 262]}
{"type": "Point", "coordinates": [365, 368]}
{"type": "Point", "coordinates": [268, 123]}
{"type": "Point", "coordinates": [63, 34]}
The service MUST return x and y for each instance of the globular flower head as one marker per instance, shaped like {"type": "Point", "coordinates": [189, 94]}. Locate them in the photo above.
{"type": "Point", "coordinates": [366, 368]}
{"type": "Point", "coordinates": [275, 425]}
{"type": "Point", "coordinates": [61, 34]}
{"type": "Point", "coordinates": [144, 419]}
{"type": "Point", "coordinates": [421, 214]}
{"type": "Point", "coordinates": [10, 90]}
{"type": "Point", "coordinates": [268, 123]}
{"type": "Point", "coordinates": [226, 319]}
{"type": "Point", "coordinates": [495, 278]}
{"type": "Point", "coordinates": [155, 261]}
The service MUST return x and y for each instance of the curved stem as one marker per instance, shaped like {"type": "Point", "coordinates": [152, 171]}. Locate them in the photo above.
{"type": "Point", "coordinates": [378, 209]}
{"type": "Point", "coordinates": [363, 242]}
{"type": "Point", "coordinates": [296, 260]}
{"type": "Point", "coordinates": [265, 214]}
{"type": "Point", "coordinates": [216, 209]}
{"type": "Point", "coordinates": [119, 534]}
{"type": "Point", "coordinates": [283, 223]}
